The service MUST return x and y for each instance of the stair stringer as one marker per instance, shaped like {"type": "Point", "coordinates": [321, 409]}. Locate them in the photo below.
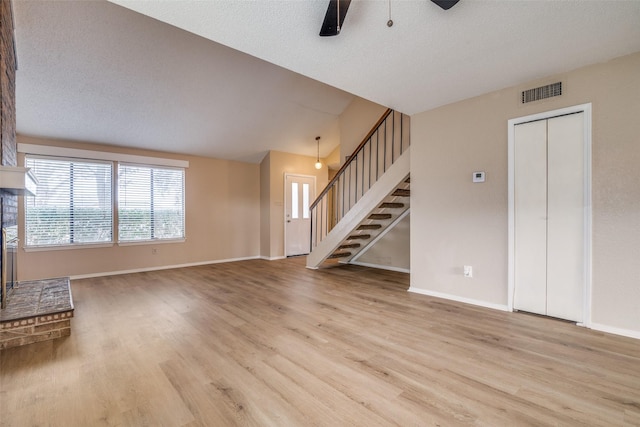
{"type": "Point", "coordinates": [381, 226]}
{"type": "Point", "coordinates": [384, 186]}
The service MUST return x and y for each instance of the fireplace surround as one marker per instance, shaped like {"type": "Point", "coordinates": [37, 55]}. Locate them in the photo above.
{"type": "Point", "coordinates": [31, 311]}
{"type": "Point", "coordinates": [37, 311]}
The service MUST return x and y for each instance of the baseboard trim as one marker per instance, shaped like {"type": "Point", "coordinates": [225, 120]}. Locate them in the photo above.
{"type": "Point", "coordinates": [159, 268]}
{"type": "Point", "coordinates": [381, 267]}
{"type": "Point", "coordinates": [501, 307]}
{"type": "Point", "coordinates": [630, 333]}
{"type": "Point", "coordinates": [274, 258]}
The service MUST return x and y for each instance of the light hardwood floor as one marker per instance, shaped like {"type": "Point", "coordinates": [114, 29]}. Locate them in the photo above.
{"type": "Point", "coordinates": [272, 343]}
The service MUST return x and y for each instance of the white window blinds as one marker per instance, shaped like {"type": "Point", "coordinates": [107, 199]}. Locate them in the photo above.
{"type": "Point", "coordinates": [73, 204]}
{"type": "Point", "coordinates": [150, 203]}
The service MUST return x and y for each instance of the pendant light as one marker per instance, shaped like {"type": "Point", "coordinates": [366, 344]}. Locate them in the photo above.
{"type": "Point", "coordinates": [318, 163]}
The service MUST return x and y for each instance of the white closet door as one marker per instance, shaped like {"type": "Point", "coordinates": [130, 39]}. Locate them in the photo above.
{"type": "Point", "coordinates": [565, 226]}
{"type": "Point", "coordinates": [531, 217]}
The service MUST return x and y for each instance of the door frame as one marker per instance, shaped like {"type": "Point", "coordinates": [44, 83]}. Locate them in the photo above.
{"type": "Point", "coordinates": [511, 124]}
{"type": "Point", "coordinates": [284, 204]}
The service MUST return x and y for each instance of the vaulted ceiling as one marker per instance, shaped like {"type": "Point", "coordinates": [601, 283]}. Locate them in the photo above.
{"type": "Point", "coordinates": [235, 78]}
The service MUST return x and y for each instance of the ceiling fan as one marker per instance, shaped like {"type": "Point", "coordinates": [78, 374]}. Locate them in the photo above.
{"type": "Point", "coordinates": [337, 10]}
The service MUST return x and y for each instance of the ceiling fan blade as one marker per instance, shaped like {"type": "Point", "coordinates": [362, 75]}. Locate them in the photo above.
{"type": "Point", "coordinates": [330, 25]}
{"type": "Point", "coordinates": [445, 4]}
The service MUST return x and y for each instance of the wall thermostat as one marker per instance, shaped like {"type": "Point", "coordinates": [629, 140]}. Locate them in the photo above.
{"type": "Point", "coordinates": [478, 177]}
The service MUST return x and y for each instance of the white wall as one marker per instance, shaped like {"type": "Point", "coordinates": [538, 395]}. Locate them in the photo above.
{"type": "Point", "coordinates": [455, 222]}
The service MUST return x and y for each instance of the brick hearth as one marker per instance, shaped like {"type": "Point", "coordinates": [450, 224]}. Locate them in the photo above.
{"type": "Point", "coordinates": [36, 311]}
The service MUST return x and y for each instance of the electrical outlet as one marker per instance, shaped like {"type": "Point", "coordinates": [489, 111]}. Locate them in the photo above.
{"type": "Point", "coordinates": [468, 271]}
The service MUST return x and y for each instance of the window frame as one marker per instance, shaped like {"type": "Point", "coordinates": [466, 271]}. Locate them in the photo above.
{"type": "Point", "coordinates": [114, 160]}
{"type": "Point", "coordinates": [71, 244]}
{"type": "Point", "coordinates": [116, 205]}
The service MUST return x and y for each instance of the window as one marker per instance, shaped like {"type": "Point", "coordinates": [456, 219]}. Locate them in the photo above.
{"type": "Point", "coordinates": [73, 204]}
{"type": "Point", "coordinates": [305, 201]}
{"type": "Point", "coordinates": [150, 203]}
{"type": "Point", "coordinates": [294, 200]}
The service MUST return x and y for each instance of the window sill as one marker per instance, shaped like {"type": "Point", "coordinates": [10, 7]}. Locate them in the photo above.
{"type": "Point", "coordinates": [67, 247]}
{"type": "Point", "coordinates": [152, 242]}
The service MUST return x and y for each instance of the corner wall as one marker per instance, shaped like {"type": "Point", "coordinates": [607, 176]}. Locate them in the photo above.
{"type": "Point", "coordinates": [455, 222]}
{"type": "Point", "coordinates": [265, 203]}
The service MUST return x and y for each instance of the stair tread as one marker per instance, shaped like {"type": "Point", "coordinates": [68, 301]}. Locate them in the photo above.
{"type": "Point", "coordinates": [349, 246]}
{"type": "Point", "coordinates": [400, 192]}
{"type": "Point", "coordinates": [359, 237]}
{"type": "Point", "coordinates": [391, 205]}
{"type": "Point", "coordinates": [369, 227]}
{"type": "Point", "coordinates": [339, 255]}
{"type": "Point", "coordinates": [380, 216]}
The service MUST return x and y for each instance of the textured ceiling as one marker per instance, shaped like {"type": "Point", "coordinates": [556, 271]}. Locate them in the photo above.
{"type": "Point", "coordinates": [94, 71]}
{"type": "Point", "coordinates": [429, 57]}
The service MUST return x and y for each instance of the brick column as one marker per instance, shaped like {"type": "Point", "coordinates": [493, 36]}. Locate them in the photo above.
{"type": "Point", "coordinates": [8, 145]}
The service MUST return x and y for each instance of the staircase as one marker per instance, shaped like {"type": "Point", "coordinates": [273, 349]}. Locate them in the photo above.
{"type": "Point", "coordinates": [383, 217]}
{"type": "Point", "coordinates": [368, 195]}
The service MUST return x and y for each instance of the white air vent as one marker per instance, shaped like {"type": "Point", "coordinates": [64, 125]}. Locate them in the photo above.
{"type": "Point", "coordinates": [542, 92]}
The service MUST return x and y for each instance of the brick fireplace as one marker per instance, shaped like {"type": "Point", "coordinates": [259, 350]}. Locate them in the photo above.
{"type": "Point", "coordinates": [37, 310]}
{"type": "Point", "coordinates": [8, 147]}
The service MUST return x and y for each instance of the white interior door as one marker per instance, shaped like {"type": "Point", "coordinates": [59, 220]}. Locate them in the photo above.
{"type": "Point", "coordinates": [549, 212]}
{"type": "Point", "coordinates": [565, 226]}
{"type": "Point", "coordinates": [531, 217]}
{"type": "Point", "coordinates": [300, 192]}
